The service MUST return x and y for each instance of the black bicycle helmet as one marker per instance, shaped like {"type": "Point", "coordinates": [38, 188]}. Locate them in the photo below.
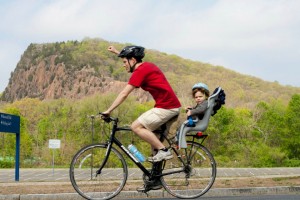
{"type": "Point", "coordinates": [136, 52]}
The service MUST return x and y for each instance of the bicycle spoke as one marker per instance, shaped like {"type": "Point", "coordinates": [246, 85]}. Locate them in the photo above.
{"type": "Point", "coordinates": [199, 172]}
{"type": "Point", "coordinates": [105, 185]}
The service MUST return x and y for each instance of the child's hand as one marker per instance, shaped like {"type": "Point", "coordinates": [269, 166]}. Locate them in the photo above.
{"type": "Point", "coordinates": [188, 108]}
{"type": "Point", "coordinates": [188, 113]}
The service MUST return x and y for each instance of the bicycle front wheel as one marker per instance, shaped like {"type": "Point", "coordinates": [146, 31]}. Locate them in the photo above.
{"type": "Point", "coordinates": [193, 178]}
{"type": "Point", "coordinates": [91, 185]}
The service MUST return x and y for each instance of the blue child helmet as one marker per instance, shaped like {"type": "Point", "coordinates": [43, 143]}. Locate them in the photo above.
{"type": "Point", "coordinates": [200, 85]}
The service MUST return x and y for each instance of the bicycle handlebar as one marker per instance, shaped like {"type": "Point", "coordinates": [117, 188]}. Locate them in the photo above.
{"type": "Point", "coordinates": [107, 118]}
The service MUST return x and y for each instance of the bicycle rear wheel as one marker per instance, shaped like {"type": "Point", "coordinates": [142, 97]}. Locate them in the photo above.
{"type": "Point", "coordinates": [196, 178]}
{"type": "Point", "coordinates": [105, 185]}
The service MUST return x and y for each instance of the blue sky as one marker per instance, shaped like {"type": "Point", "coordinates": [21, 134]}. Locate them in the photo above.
{"type": "Point", "coordinates": [253, 37]}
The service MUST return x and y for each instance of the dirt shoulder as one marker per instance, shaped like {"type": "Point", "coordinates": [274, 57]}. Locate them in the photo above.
{"type": "Point", "coordinates": [66, 187]}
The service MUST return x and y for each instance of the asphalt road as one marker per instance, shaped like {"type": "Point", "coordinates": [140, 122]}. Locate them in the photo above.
{"type": "Point", "coordinates": [56, 175]}
{"type": "Point", "coordinates": [255, 197]}
{"type": "Point", "coordinates": [33, 175]}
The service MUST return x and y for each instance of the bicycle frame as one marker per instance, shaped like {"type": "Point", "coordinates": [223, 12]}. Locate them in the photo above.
{"type": "Point", "coordinates": [112, 140]}
{"type": "Point", "coordinates": [187, 183]}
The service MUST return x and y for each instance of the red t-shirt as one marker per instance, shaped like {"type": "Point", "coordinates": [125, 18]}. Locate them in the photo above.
{"type": "Point", "coordinates": [150, 78]}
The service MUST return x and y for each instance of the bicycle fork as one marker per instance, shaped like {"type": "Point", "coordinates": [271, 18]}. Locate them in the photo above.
{"type": "Point", "coordinates": [108, 150]}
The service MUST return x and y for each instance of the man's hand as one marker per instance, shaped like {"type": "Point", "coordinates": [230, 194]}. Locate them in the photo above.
{"type": "Point", "coordinates": [113, 50]}
{"type": "Point", "coordinates": [106, 113]}
{"type": "Point", "coordinates": [105, 117]}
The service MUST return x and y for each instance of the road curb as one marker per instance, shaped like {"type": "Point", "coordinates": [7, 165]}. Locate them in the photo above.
{"type": "Point", "coordinates": [162, 193]}
{"type": "Point", "coordinates": [254, 191]}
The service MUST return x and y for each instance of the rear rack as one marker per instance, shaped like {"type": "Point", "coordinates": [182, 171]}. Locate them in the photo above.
{"type": "Point", "coordinates": [198, 135]}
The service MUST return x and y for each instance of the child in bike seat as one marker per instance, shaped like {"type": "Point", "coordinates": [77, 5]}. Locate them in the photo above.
{"type": "Point", "coordinates": [200, 93]}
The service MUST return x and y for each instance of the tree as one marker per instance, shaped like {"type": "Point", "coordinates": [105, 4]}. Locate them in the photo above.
{"type": "Point", "coordinates": [269, 122]}
{"type": "Point", "coordinates": [292, 136]}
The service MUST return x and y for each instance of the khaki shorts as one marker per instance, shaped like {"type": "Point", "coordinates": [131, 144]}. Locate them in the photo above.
{"type": "Point", "coordinates": [155, 117]}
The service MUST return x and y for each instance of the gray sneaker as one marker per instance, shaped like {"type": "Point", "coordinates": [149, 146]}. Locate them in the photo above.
{"type": "Point", "coordinates": [161, 155]}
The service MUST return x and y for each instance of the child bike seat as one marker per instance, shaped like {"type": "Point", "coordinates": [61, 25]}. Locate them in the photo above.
{"type": "Point", "coordinates": [200, 125]}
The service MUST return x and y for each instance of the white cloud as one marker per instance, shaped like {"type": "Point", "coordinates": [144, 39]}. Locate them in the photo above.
{"type": "Point", "coordinates": [253, 37]}
{"type": "Point", "coordinates": [239, 25]}
{"type": "Point", "coordinates": [10, 53]}
{"type": "Point", "coordinates": [249, 36]}
{"type": "Point", "coordinates": [67, 18]}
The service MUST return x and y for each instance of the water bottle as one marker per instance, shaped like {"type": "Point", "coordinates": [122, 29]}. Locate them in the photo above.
{"type": "Point", "coordinates": [138, 155]}
{"type": "Point", "coordinates": [191, 122]}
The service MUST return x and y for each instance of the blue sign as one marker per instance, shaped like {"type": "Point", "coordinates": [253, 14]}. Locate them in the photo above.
{"type": "Point", "coordinates": [9, 123]}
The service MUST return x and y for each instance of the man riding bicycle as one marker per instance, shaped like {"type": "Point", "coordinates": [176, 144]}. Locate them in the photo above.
{"type": "Point", "coordinates": [150, 78]}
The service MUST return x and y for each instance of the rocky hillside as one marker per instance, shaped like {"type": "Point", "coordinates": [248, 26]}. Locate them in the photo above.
{"type": "Point", "coordinates": [75, 69]}
{"type": "Point", "coordinates": [44, 77]}
{"type": "Point", "coordinates": [47, 81]}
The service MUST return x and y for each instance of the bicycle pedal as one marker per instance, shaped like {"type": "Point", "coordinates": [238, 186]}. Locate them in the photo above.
{"type": "Point", "coordinates": [144, 189]}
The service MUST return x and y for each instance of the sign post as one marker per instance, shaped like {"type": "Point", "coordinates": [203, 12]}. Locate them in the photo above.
{"type": "Point", "coordinates": [53, 144]}
{"type": "Point", "coordinates": [11, 124]}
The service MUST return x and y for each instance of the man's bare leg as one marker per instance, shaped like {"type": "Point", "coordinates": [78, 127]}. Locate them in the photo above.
{"type": "Point", "coordinates": [146, 135]}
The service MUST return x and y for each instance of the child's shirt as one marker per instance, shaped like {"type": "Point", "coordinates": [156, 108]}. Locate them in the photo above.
{"type": "Point", "coordinates": [199, 109]}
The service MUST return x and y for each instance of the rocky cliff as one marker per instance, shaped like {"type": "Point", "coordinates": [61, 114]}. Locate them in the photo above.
{"type": "Point", "coordinates": [75, 69]}
{"type": "Point", "coordinates": [43, 75]}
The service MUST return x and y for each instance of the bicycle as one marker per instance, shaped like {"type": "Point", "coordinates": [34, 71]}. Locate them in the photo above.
{"type": "Point", "coordinates": [99, 171]}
